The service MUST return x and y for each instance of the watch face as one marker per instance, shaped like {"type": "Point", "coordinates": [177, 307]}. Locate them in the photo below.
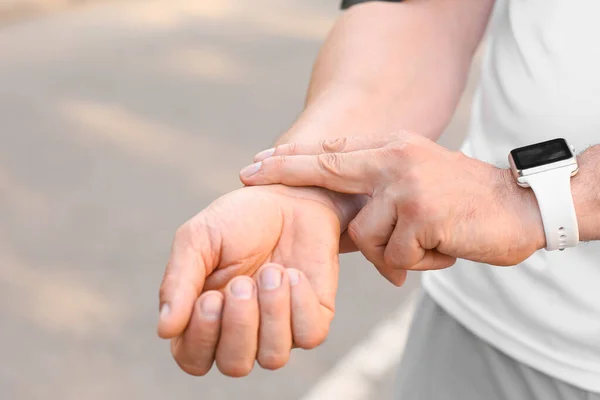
{"type": "Point", "coordinates": [539, 154]}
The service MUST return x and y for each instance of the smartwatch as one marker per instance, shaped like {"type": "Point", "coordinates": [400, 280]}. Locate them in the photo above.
{"type": "Point", "coordinates": [547, 168]}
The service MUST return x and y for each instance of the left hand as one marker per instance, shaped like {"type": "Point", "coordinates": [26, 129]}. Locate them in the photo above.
{"type": "Point", "coordinates": [428, 205]}
{"type": "Point", "coordinates": [254, 272]}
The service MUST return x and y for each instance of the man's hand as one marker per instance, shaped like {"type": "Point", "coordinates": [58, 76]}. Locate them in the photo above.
{"type": "Point", "coordinates": [428, 205]}
{"type": "Point", "coordinates": [287, 240]}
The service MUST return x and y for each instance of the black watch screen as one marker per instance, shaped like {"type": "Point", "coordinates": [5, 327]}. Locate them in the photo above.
{"type": "Point", "coordinates": [539, 154]}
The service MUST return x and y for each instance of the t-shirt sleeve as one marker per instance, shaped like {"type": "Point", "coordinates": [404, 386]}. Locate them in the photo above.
{"type": "Point", "coordinates": [350, 3]}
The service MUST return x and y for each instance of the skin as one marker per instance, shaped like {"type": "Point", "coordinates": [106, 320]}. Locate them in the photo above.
{"type": "Point", "coordinates": [233, 242]}
{"type": "Point", "coordinates": [371, 77]}
{"type": "Point", "coordinates": [428, 205]}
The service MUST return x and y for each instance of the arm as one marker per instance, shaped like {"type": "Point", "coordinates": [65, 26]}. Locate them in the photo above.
{"type": "Point", "coordinates": [391, 66]}
{"type": "Point", "coordinates": [387, 67]}
{"type": "Point", "coordinates": [585, 187]}
{"type": "Point", "coordinates": [430, 205]}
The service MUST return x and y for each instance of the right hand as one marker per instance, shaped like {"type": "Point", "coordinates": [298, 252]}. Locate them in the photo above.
{"type": "Point", "coordinates": [211, 309]}
{"type": "Point", "coordinates": [427, 205]}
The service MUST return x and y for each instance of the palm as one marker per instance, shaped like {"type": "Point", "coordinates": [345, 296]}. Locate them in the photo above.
{"type": "Point", "coordinates": [251, 226]}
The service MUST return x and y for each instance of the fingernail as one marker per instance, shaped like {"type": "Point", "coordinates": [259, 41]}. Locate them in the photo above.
{"type": "Point", "coordinates": [251, 169]}
{"type": "Point", "coordinates": [294, 276]}
{"type": "Point", "coordinates": [164, 311]}
{"type": "Point", "coordinates": [265, 154]}
{"type": "Point", "coordinates": [270, 278]}
{"type": "Point", "coordinates": [211, 306]}
{"type": "Point", "coordinates": [242, 289]}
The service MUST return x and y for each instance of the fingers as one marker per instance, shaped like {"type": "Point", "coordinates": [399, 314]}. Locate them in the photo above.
{"type": "Point", "coordinates": [275, 332]}
{"type": "Point", "coordinates": [391, 244]}
{"type": "Point", "coordinates": [182, 282]}
{"type": "Point", "coordinates": [347, 245]}
{"type": "Point", "coordinates": [310, 320]}
{"type": "Point", "coordinates": [194, 351]}
{"type": "Point", "coordinates": [405, 252]}
{"type": "Point", "coordinates": [337, 145]}
{"type": "Point", "coordinates": [236, 350]}
{"type": "Point", "coordinates": [371, 231]}
{"type": "Point", "coordinates": [433, 259]}
{"type": "Point", "coordinates": [355, 173]}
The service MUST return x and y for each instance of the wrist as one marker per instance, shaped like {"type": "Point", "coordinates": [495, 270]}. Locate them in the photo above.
{"type": "Point", "coordinates": [586, 199]}
{"type": "Point", "coordinates": [586, 194]}
{"type": "Point", "coordinates": [523, 202]}
{"type": "Point", "coordinates": [345, 206]}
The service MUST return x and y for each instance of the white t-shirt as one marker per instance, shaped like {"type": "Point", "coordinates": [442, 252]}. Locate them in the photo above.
{"type": "Point", "coordinates": [540, 80]}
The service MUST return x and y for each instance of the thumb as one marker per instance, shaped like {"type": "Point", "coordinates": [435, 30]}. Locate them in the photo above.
{"type": "Point", "coordinates": [347, 245]}
{"type": "Point", "coordinates": [183, 280]}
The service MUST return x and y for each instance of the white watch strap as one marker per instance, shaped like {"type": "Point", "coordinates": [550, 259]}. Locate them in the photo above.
{"type": "Point", "coordinates": [553, 193]}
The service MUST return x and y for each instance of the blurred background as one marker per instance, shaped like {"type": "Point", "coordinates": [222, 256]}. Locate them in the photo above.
{"type": "Point", "coordinates": [119, 120]}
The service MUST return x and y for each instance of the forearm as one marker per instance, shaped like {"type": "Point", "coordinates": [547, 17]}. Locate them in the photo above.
{"type": "Point", "coordinates": [586, 194]}
{"type": "Point", "coordinates": [392, 66]}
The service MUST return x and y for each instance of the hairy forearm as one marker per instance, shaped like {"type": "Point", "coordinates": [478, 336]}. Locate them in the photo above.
{"type": "Point", "coordinates": [392, 66]}
{"type": "Point", "coordinates": [585, 187]}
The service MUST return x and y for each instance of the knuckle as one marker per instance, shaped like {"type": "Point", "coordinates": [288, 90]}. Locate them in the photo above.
{"type": "Point", "coordinates": [192, 369]}
{"type": "Point", "coordinates": [407, 149]}
{"type": "Point", "coordinates": [334, 145]}
{"type": "Point", "coordinates": [395, 263]}
{"type": "Point", "coordinates": [391, 262]}
{"type": "Point", "coordinates": [417, 204]}
{"type": "Point", "coordinates": [208, 342]}
{"type": "Point", "coordinates": [235, 369]}
{"type": "Point", "coordinates": [330, 162]}
{"type": "Point", "coordinates": [397, 280]}
{"type": "Point", "coordinates": [412, 179]}
{"type": "Point", "coordinates": [393, 191]}
{"type": "Point", "coordinates": [289, 148]}
{"type": "Point", "coordinates": [183, 233]}
{"type": "Point", "coordinates": [417, 209]}
{"type": "Point", "coordinates": [310, 340]}
{"type": "Point", "coordinates": [187, 234]}
{"type": "Point", "coordinates": [272, 360]}
{"type": "Point", "coordinates": [195, 366]}
{"type": "Point", "coordinates": [275, 163]}
{"type": "Point", "coordinates": [398, 149]}
{"type": "Point", "coordinates": [354, 231]}
{"type": "Point", "coordinates": [453, 261]}
{"type": "Point", "coordinates": [394, 275]}
{"type": "Point", "coordinates": [271, 306]}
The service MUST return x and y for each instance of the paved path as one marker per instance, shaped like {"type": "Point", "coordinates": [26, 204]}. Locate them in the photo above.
{"type": "Point", "coordinates": [118, 122]}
